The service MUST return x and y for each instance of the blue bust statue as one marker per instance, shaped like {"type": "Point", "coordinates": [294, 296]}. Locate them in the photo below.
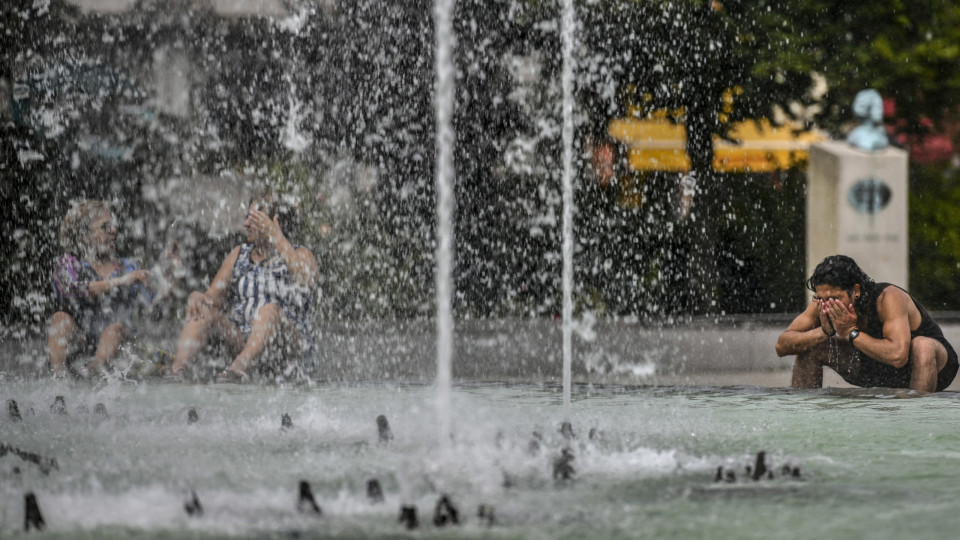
{"type": "Point", "coordinates": [869, 135]}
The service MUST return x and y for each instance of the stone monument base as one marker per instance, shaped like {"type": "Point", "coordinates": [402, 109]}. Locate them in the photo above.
{"type": "Point", "coordinates": [857, 206]}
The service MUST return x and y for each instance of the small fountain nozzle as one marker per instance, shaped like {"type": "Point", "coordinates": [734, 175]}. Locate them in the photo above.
{"type": "Point", "coordinates": [408, 516]}
{"type": "Point", "coordinates": [286, 422]}
{"type": "Point", "coordinates": [306, 501]}
{"type": "Point", "coordinates": [383, 429]}
{"type": "Point", "coordinates": [193, 416]}
{"type": "Point", "coordinates": [59, 405]}
{"type": "Point", "coordinates": [486, 515]}
{"type": "Point", "coordinates": [725, 475]}
{"type": "Point", "coordinates": [32, 516]}
{"type": "Point", "coordinates": [445, 513]}
{"type": "Point", "coordinates": [760, 468]}
{"type": "Point", "coordinates": [533, 448]}
{"type": "Point", "coordinates": [374, 491]}
{"type": "Point", "coordinates": [566, 429]}
{"type": "Point", "coordinates": [100, 410]}
{"type": "Point", "coordinates": [193, 506]}
{"type": "Point", "coordinates": [563, 465]}
{"type": "Point", "coordinates": [13, 410]}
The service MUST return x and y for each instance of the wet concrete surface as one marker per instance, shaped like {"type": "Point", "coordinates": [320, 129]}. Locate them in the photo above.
{"type": "Point", "coordinates": [710, 351]}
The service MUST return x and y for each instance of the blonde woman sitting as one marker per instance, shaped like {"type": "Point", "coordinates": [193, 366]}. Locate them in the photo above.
{"type": "Point", "coordinates": [98, 296]}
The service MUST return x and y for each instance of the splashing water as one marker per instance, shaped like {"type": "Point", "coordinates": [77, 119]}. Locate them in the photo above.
{"type": "Point", "coordinates": [293, 138]}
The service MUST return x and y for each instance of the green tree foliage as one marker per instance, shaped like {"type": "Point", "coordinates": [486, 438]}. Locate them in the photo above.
{"type": "Point", "coordinates": [363, 74]}
{"type": "Point", "coordinates": [909, 52]}
{"type": "Point", "coordinates": [684, 55]}
{"type": "Point", "coordinates": [935, 236]}
{"type": "Point", "coordinates": [905, 50]}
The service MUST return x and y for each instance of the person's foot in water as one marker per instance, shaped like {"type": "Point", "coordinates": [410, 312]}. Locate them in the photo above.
{"type": "Point", "coordinates": [232, 376]}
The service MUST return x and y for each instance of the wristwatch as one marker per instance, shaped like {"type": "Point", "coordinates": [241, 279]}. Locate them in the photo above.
{"type": "Point", "coordinates": [853, 335]}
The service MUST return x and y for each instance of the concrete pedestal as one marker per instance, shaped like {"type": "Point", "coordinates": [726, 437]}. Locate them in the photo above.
{"type": "Point", "coordinates": [857, 206]}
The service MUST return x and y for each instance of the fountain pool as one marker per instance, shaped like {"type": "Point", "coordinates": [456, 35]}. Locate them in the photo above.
{"type": "Point", "coordinates": [871, 464]}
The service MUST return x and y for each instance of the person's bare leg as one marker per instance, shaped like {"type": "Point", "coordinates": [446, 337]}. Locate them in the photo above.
{"type": "Point", "coordinates": [109, 343]}
{"type": "Point", "coordinates": [808, 369]}
{"type": "Point", "coordinates": [193, 338]}
{"type": "Point", "coordinates": [270, 328]}
{"type": "Point", "coordinates": [836, 354]}
{"type": "Point", "coordinates": [928, 356]}
{"type": "Point", "coordinates": [62, 332]}
{"type": "Point", "coordinates": [197, 333]}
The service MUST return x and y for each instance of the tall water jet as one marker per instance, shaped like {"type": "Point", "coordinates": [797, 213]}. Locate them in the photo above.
{"type": "Point", "coordinates": [566, 83]}
{"type": "Point", "coordinates": [445, 176]}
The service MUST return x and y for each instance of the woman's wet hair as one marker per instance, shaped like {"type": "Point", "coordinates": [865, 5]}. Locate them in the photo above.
{"type": "Point", "coordinates": [838, 271]}
{"type": "Point", "coordinates": [75, 227]}
{"type": "Point", "coordinates": [285, 207]}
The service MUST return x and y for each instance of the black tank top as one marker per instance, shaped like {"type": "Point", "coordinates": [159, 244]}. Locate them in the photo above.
{"type": "Point", "coordinates": [873, 326]}
{"type": "Point", "coordinates": [874, 373]}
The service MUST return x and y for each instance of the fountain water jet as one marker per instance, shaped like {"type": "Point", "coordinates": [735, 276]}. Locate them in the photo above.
{"type": "Point", "coordinates": [445, 177]}
{"type": "Point", "coordinates": [567, 31]}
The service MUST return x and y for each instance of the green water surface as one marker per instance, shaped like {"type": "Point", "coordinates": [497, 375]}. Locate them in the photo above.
{"type": "Point", "coordinates": [874, 463]}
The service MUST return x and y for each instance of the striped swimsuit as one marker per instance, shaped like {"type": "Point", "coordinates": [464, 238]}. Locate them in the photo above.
{"type": "Point", "coordinates": [254, 285]}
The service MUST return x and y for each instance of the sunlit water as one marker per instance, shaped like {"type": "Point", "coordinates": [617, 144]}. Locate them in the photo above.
{"type": "Point", "coordinates": [873, 465]}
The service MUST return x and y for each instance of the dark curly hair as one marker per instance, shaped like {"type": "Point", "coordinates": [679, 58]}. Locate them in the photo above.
{"type": "Point", "coordinates": [839, 271]}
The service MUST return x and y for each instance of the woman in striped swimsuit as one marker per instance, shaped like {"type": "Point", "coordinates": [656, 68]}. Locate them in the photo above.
{"type": "Point", "coordinates": [260, 304]}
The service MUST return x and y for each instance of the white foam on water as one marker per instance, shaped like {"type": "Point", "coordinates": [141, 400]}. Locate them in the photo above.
{"type": "Point", "coordinates": [645, 462]}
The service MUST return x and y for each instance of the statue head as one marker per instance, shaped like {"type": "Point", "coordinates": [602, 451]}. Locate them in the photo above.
{"type": "Point", "coordinates": [869, 135]}
{"type": "Point", "coordinates": [868, 105]}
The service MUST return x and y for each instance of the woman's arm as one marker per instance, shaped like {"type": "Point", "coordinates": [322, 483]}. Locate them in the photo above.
{"type": "Point", "coordinates": [96, 288]}
{"type": "Point", "coordinates": [300, 261]}
{"type": "Point", "coordinates": [71, 281]}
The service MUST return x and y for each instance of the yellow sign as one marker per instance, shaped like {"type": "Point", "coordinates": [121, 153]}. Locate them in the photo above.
{"type": "Point", "coordinates": [660, 144]}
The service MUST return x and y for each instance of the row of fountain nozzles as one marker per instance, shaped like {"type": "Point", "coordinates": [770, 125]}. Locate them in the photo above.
{"type": "Point", "coordinates": [59, 406]}
{"type": "Point", "coordinates": [759, 471]}
{"type": "Point", "coordinates": [445, 513]}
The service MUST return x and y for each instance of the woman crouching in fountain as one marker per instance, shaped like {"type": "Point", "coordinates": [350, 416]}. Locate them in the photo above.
{"type": "Point", "coordinates": [98, 295]}
{"type": "Point", "coordinates": [260, 304]}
